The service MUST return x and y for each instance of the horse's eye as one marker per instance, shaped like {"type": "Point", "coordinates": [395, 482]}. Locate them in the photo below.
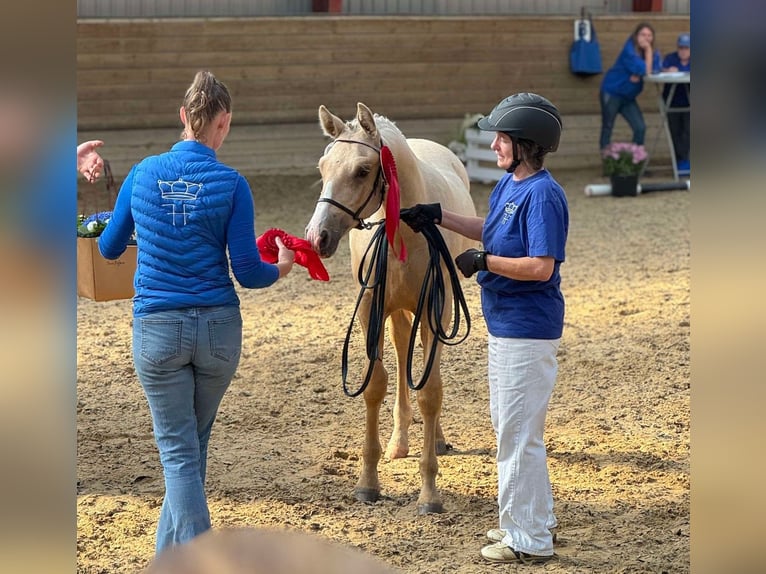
{"type": "Point", "coordinates": [362, 171]}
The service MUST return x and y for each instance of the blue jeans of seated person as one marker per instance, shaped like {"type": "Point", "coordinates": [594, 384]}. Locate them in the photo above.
{"type": "Point", "coordinates": [611, 106]}
{"type": "Point", "coordinates": [680, 131]}
{"type": "Point", "coordinates": [185, 360]}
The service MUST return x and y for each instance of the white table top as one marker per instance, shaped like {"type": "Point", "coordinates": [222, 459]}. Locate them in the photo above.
{"type": "Point", "coordinates": [669, 78]}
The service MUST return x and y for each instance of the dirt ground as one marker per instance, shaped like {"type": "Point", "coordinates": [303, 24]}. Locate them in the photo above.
{"type": "Point", "coordinates": [285, 450]}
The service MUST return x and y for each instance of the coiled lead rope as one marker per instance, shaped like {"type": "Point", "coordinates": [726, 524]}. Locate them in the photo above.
{"type": "Point", "coordinates": [432, 300]}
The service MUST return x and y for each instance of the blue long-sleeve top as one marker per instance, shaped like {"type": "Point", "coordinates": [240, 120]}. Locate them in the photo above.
{"type": "Point", "coordinates": [629, 63]}
{"type": "Point", "coordinates": [682, 93]}
{"type": "Point", "coordinates": [187, 209]}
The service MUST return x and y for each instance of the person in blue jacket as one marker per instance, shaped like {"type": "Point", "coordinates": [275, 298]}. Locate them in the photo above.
{"type": "Point", "coordinates": [624, 81]}
{"type": "Point", "coordinates": [524, 237]}
{"type": "Point", "coordinates": [187, 208]}
{"type": "Point", "coordinates": [679, 122]}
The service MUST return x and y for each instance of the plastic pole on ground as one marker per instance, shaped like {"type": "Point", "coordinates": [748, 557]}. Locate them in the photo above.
{"type": "Point", "coordinates": [594, 189]}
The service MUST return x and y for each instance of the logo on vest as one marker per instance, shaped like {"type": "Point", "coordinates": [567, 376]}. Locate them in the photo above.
{"type": "Point", "coordinates": [180, 193]}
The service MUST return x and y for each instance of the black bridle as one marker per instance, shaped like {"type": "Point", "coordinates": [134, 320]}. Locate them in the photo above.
{"type": "Point", "coordinates": [378, 185]}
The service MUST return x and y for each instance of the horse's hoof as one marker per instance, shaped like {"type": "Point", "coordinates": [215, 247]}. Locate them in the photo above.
{"type": "Point", "coordinates": [366, 494]}
{"type": "Point", "coordinates": [394, 452]}
{"type": "Point", "coordinates": [430, 508]}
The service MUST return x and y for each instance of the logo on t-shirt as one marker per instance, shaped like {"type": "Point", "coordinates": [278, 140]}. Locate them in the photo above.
{"type": "Point", "coordinates": [510, 209]}
{"type": "Point", "coordinates": [180, 192]}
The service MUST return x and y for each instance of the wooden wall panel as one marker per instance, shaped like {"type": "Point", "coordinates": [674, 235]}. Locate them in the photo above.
{"type": "Point", "coordinates": [132, 73]}
{"type": "Point", "coordinates": [424, 72]}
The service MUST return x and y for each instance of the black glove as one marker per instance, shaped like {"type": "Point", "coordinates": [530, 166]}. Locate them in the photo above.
{"type": "Point", "coordinates": [471, 261]}
{"type": "Point", "coordinates": [421, 214]}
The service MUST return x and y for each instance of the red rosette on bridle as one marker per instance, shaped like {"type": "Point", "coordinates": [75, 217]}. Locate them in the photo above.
{"type": "Point", "coordinates": [304, 254]}
{"type": "Point", "coordinates": [392, 204]}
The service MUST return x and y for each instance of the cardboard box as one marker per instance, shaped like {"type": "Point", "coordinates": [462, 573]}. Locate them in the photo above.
{"type": "Point", "coordinates": [104, 279]}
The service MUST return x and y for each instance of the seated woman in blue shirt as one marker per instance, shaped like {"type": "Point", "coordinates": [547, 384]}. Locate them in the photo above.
{"type": "Point", "coordinates": [679, 122]}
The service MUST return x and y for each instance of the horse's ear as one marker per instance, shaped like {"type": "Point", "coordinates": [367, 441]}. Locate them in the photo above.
{"type": "Point", "coordinates": [366, 120]}
{"type": "Point", "coordinates": [331, 124]}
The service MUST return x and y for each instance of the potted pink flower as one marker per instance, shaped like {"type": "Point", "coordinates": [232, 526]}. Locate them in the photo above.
{"type": "Point", "coordinates": [623, 163]}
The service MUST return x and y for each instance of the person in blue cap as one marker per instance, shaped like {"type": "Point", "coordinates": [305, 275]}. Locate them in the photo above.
{"type": "Point", "coordinates": [680, 122]}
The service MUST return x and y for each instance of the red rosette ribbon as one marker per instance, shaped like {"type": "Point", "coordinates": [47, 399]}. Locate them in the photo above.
{"type": "Point", "coordinates": [304, 254]}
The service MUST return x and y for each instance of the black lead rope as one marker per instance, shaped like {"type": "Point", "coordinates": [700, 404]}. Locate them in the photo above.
{"type": "Point", "coordinates": [432, 298]}
{"type": "Point", "coordinates": [377, 249]}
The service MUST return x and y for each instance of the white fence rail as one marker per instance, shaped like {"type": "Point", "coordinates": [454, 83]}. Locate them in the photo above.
{"type": "Point", "coordinates": [479, 159]}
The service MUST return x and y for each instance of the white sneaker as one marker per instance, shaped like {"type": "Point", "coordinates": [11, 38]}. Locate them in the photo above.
{"type": "Point", "coordinates": [499, 552]}
{"type": "Point", "coordinates": [497, 534]}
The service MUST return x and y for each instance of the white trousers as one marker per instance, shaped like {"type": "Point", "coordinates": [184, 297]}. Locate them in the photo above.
{"type": "Point", "coordinates": [522, 373]}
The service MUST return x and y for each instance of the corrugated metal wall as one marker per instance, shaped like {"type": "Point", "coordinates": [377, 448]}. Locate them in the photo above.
{"type": "Point", "coordinates": [234, 8]}
{"type": "Point", "coordinates": [483, 7]}
{"type": "Point", "coordinates": [189, 8]}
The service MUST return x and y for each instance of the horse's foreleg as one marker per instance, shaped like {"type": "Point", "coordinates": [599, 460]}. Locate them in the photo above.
{"type": "Point", "coordinates": [430, 404]}
{"type": "Point", "coordinates": [441, 443]}
{"type": "Point", "coordinates": [368, 487]}
{"type": "Point", "coordinates": [399, 329]}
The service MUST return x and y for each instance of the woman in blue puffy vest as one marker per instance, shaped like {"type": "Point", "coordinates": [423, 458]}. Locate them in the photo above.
{"type": "Point", "coordinates": [188, 209]}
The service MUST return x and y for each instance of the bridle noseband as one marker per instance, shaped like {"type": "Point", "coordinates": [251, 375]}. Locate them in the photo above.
{"type": "Point", "coordinates": [380, 183]}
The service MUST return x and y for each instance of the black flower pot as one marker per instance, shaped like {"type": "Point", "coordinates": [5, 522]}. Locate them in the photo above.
{"type": "Point", "coordinates": [624, 185]}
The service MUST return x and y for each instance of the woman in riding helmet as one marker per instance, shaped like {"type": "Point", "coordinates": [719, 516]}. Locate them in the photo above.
{"type": "Point", "coordinates": [524, 236]}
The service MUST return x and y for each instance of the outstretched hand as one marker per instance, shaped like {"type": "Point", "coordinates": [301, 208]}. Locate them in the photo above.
{"type": "Point", "coordinates": [419, 215]}
{"type": "Point", "coordinates": [89, 163]}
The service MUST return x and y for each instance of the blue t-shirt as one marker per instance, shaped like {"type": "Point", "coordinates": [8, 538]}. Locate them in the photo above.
{"type": "Point", "coordinates": [681, 95]}
{"type": "Point", "coordinates": [527, 218]}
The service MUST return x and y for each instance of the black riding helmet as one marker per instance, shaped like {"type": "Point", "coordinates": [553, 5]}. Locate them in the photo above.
{"type": "Point", "coordinates": [526, 116]}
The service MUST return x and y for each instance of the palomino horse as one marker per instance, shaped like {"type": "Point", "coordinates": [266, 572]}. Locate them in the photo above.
{"type": "Point", "coordinates": [353, 193]}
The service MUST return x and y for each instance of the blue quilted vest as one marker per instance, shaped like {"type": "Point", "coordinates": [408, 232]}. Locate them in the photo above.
{"type": "Point", "coordinates": [181, 204]}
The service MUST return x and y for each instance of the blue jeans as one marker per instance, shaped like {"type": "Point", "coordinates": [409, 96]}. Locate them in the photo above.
{"type": "Point", "coordinates": [185, 360]}
{"type": "Point", "coordinates": [611, 106]}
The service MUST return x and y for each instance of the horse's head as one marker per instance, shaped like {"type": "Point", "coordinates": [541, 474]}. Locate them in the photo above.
{"type": "Point", "coordinates": [352, 181]}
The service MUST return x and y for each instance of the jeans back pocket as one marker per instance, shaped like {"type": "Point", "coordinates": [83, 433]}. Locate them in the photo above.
{"type": "Point", "coordinates": [225, 337]}
{"type": "Point", "coordinates": [160, 339]}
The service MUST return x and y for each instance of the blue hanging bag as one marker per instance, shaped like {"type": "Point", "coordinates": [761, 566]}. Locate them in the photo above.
{"type": "Point", "coordinates": [585, 54]}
